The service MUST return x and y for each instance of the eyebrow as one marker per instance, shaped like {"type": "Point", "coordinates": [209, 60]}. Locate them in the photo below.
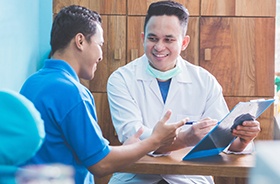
{"type": "Point", "coordinates": [168, 36]}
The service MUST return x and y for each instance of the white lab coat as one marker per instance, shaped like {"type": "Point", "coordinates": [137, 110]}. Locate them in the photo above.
{"type": "Point", "coordinates": [135, 101]}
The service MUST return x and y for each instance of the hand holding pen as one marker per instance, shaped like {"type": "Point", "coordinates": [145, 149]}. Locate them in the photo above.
{"type": "Point", "coordinates": [198, 130]}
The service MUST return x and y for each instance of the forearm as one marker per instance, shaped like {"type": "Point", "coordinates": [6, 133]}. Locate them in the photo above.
{"type": "Point", "coordinates": [121, 156]}
{"type": "Point", "coordinates": [238, 145]}
{"type": "Point", "coordinates": [175, 146]}
{"type": "Point", "coordinates": [182, 141]}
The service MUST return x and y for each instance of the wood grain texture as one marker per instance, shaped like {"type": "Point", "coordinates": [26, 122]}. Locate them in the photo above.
{"type": "Point", "coordinates": [245, 8]}
{"type": "Point", "coordinates": [104, 118]}
{"type": "Point", "coordinates": [141, 7]}
{"type": "Point", "coordinates": [223, 165]}
{"type": "Point", "coordinates": [114, 38]}
{"type": "Point", "coordinates": [191, 54]}
{"type": "Point", "coordinates": [112, 7]}
{"type": "Point", "coordinates": [135, 26]}
{"type": "Point", "coordinates": [59, 4]}
{"type": "Point", "coordinates": [240, 56]}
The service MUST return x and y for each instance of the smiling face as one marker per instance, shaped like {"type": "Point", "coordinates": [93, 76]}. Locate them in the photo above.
{"type": "Point", "coordinates": [163, 41]}
{"type": "Point", "coordinates": [92, 54]}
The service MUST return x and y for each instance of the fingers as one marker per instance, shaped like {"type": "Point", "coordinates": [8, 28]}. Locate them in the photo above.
{"type": "Point", "coordinates": [139, 133]}
{"type": "Point", "coordinates": [207, 122]}
{"type": "Point", "coordinates": [166, 117]}
{"type": "Point", "coordinates": [247, 131]}
{"type": "Point", "coordinates": [135, 137]}
{"type": "Point", "coordinates": [180, 123]}
{"type": "Point", "coordinates": [249, 126]}
{"type": "Point", "coordinates": [250, 123]}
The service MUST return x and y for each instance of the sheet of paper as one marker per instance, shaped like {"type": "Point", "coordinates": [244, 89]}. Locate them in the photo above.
{"type": "Point", "coordinates": [220, 136]}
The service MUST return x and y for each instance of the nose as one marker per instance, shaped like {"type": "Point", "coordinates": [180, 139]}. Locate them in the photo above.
{"type": "Point", "coordinates": [159, 46]}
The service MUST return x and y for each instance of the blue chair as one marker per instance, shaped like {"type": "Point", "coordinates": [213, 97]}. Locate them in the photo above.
{"type": "Point", "coordinates": [21, 133]}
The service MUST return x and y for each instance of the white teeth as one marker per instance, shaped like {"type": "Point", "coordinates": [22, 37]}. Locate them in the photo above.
{"type": "Point", "coordinates": [160, 55]}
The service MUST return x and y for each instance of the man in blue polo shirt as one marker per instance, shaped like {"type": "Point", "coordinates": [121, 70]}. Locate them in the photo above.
{"type": "Point", "coordinates": [73, 136]}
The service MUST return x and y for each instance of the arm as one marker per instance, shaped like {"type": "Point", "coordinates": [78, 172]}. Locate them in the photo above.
{"type": "Point", "coordinates": [124, 107]}
{"type": "Point", "coordinates": [134, 149]}
{"type": "Point", "coordinates": [190, 136]}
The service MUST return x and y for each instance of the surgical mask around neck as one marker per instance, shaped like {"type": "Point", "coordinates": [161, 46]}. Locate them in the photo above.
{"type": "Point", "coordinates": [163, 75]}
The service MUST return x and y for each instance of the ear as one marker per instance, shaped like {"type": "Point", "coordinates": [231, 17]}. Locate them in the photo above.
{"type": "Point", "coordinates": [142, 37]}
{"type": "Point", "coordinates": [185, 42]}
{"type": "Point", "coordinates": [79, 40]}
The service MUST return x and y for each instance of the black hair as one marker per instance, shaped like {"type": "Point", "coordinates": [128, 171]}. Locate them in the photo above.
{"type": "Point", "coordinates": [69, 22]}
{"type": "Point", "coordinates": [168, 8]}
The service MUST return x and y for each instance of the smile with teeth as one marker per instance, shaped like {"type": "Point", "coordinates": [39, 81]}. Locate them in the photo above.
{"type": "Point", "coordinates": [160, 55]}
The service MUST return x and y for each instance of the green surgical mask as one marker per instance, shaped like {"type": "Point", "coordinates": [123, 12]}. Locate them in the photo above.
{"type": "Point", "coordinates": [163, 75]}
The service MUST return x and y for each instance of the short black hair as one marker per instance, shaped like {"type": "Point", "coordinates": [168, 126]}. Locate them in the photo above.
{"type": "Point", "coordinates": [168, 8]}
{"type": "Point", "coordinates": [70, 21]}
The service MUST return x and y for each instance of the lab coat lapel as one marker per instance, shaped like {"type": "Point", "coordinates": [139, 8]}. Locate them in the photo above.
{"type": "Point", "coordinates": [173, 89]}
{"type": "Point", "coordinates": [146, 78]}
{"type": "Point", "coordinates": [176, 83]}
{"type": "Point", "coordinates": [155, 88]}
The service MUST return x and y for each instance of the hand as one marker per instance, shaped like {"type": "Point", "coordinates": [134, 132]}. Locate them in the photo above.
{"type": "Point", "coordinates": [247, 132]}
{"type": "Point", "coordinates": [197, 131]}
{"type": "Point", "coordinates": [135, 138]}
{"type": "Point", "coordinates": [166, 133]}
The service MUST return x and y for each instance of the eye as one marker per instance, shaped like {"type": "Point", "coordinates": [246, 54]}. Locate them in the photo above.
{"type": "Point", "coordinates": [152, 38]}
{"type": "Point", "coordinates": [169, 40]}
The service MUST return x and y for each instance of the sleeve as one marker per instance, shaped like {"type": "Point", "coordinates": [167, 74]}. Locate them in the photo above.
{"type": "Point", "coordinates": [84, 135]}
{"type": "Point", "coordinates": [216, 106]}
{"type": "Point", "coordinates": [125, 113]}
{"type": "Point", "coordinates": [250, 148]}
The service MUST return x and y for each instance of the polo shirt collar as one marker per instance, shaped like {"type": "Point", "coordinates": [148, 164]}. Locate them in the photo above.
{"type": "Point", "coordinates": [61, 65]}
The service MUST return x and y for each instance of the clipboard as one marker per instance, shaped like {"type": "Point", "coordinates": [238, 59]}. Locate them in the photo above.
{"type": "Point", "coordinates": [220, 136]}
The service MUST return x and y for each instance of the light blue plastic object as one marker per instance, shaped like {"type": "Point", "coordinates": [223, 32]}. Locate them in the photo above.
{"type": "Point", "coordinates": [21, 129]}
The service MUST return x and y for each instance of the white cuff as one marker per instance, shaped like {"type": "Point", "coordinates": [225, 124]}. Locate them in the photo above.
{"type": "Point", "coordinates": [250, 148]}
{"type": "Point", "coordinates": [153, 154]}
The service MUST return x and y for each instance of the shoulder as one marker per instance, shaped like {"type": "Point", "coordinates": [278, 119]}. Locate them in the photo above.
{"type": "Point", "coordinates": [194, 69]}
{"type": "Point", "coordinates": [130, 70]}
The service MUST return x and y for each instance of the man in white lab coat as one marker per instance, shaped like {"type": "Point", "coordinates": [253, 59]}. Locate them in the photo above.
{"type": "Point", "coordinates": [143, 90]}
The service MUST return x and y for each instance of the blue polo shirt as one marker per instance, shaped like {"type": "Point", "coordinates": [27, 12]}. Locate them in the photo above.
{"type": "Point", "coordinates": [73, 136]}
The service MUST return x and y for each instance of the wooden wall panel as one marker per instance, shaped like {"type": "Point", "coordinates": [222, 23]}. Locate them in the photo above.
{"type": "Point", "coordinates": [115, 7]}
{"type": "Point", "coordinates": [237, 58]}
{"type": "Point", "coordinates": [217, 7]}
{"type": "Point", "coordinates": [104, 118]}
{"type": "Point", "coordinates": [135, 47]}
{"type": "Point", "coordinates": [191, 54]}
{"type": "Point", "coordinates": [140, 7]}
{"type": "Point", "coordinates": [114, 49]}
{"type": "Point", "coordinates": [59, 4]}
{"type": "Point", "coordinates": [257, 8]}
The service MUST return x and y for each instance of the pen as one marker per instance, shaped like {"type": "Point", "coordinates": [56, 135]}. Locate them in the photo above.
{"type": "Point", "coordinates": [190, 122]}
